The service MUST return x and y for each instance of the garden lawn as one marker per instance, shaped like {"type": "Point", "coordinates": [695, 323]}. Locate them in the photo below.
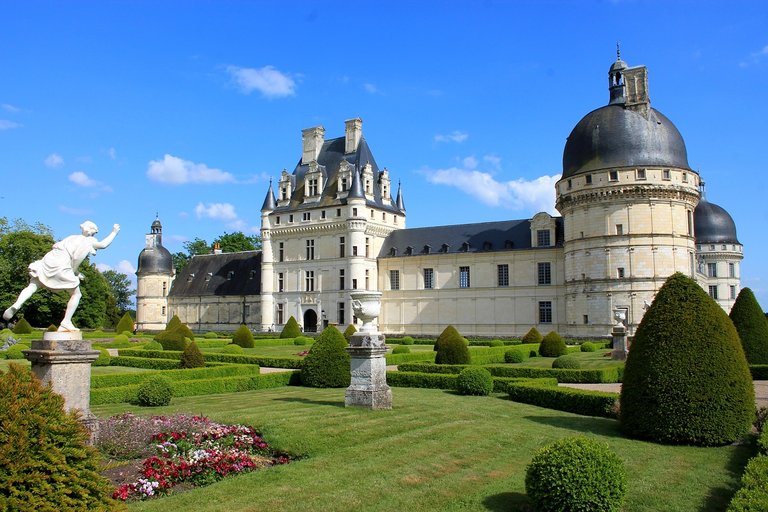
{"type": "Point", "coordinates": [588, 360]}
{"type": "Point", "coordinates": [434, 451]}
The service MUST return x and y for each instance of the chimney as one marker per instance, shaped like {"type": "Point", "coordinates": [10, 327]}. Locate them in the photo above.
{"type": "Point", "coordinates": [636, 83]}
{"type": "Point", "coordinates": [353, 134]}
{"type": "Point", "coordinates": [216, 248]}
{"type": "Point", "coordinates": [312, 141]}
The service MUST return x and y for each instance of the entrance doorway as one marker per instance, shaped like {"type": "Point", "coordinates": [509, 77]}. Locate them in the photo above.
{"type": "Point", "coordinates": [310, 320]}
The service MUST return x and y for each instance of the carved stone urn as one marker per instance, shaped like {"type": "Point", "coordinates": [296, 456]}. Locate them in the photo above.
{"type": "Point", "coordinates": [366, 306]}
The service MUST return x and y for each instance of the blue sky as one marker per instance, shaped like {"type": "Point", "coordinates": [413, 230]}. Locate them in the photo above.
{"type": "Point", "coordinates": [113, 111]}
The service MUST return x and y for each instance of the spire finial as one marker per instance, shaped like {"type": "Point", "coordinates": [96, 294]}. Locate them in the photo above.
{"type": "Point", "coordinates": [618, 51]}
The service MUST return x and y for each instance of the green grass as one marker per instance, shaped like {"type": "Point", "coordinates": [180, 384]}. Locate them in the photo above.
{"type": "Point", "coordinates": [588, 360]}
{"type": "Point", "coordinates": [434, 451]}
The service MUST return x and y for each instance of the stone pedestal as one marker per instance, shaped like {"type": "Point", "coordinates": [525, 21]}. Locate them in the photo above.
{"type": "Point", "coordinates": [368, 366]}
{"type": "Point", "coordinates": [63, 360]}
{"type": "Point", "coordinates": [620, 348]}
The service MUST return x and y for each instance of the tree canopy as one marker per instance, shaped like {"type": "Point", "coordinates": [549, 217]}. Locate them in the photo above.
{"type": "Point", "coordinates": [228, 242]}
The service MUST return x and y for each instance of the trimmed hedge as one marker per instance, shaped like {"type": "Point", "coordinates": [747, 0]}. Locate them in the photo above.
{"type": "Point", "coordinates": [144, 362]}
{"type": "Point", "coordinates": [580, 401]}
{"type": "Point", "coordinates": [401, 349]}
{"type": "Point", "coordinates": [192, 357]}
{"type": "Point", "coordinates": [753, 494]}
{"type": "Point", "coordinates": [759, 371]}
{"type": "Point", "coordinates": [447, 381]}
{"type": "Point", "coordinates": [125, 324]}
{"type": "Point", "coordinates": [397, 359]}
{"type": "Point", "coordinates": [583, 376]}
{"type": "Point", "coordinates": [274, 362]}
{"type": "Point", "coordinates": [232, 349]}
{"type": "Point", "coordinates": [156, 391]}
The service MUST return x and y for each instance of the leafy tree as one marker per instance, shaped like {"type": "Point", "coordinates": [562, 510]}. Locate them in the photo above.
{"type": "Point", "coordinates": [197, 246]}
{"type": "Point", "coordinates": [752, 326]}
{"type": "Point", "coordinates": [237, 241]}
{"type": "Point", "coordinates": [92, 311]}
{"type": "Point", "coordinates": [120, 285]}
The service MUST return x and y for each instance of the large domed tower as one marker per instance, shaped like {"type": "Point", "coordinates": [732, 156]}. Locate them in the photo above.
{"type": "Point", "coordinates": [154, 275]}
{"type": "Point", "coordinates": [627, 196]}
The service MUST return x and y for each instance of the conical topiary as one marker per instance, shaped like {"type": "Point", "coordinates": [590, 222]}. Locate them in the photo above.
{"type": "Point", "coordinates": [532, 336]}
{"type": "Point", "coordinates": [125, 324]}
{"type": "Point", "coordinates": [176, 324]}
{"type": "Point", "coordinates": [172, 339]}
{"type": "Point", "coordinates": [686, 379]}
{"type": "Point", "coordinates": [291, 329]}
{"type": "Point", "coordinates": [327, 364]}
{"type": "Point", "coordinates": [22, 327]}
{"type": "Point", "coordinates": [192, 357]}
{"type": "Point", "coordinates": [750, 322]}
{"type": "Point", "coordinates": [451, 347]}
{"type": "Point", "coordinates": [448, 332]}
{"type": "Point", "coordinates": [349, 331]}
{"type": "Point", "coordinates": [45, 463]}
{"type": "Point", "coordinates": [173, 323]}
{"type": "Point", "coordinates": [243, 337]}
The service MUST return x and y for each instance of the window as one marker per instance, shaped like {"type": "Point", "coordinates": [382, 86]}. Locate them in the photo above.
{"type": "Point", "coordinates": [367, 247]}
{"type": "Point", "coordinates": [322, 214]}
{"type": "Point", "coordinates": [588, 179]}
{"type": "Point", "coordinates": [367, 279]}
{"type": "Point", "coordinates": [309, 280]}
{"type": "Point", "coordinates": [620, 272]}
{"type": "Point", "coordinates": [283, 193]}
{"type": "Point", "coordinates": [619, 229]}
{"type": "Point", "coordinates": [733, 292]}
{"type": "Point", "coordinates": [384, 216]}
{"type": "Point", "coordinates": [280, 311]}
{"type": "Point", "coordinates": [542, 238]}
{"type": "Point", "coordinates": [354, 212]}
{"type": "Point", "coordinates": [711, 269]}
{"type": "Point", "coordinates": [502, 272]}
{"type": "Point", "coordinates": [394, 279]}
{"type": "Point", "coordinates": [613, 175]}
{"type": "Point", "coordinates": [354, 250]}
{"type": "Point", "coordinates": [372, 213]}
{"type": "Point", "coordinates": [666, 175]}
{"type": "Point", "coordinates": [290, 218]}
{"type": "Point", "coordinates": [312, 187]}
{"type": "Point", "coordinates": [354, 284]}
{"type": "Point", "coordinates": [713, 291]}
{"type": "Point", "coordinates": [230, 275]}
{"type": "Point", "coordinates": [342, 247]}
{"type": "Point", "coordinates": [162, 310]}
{"type": "Point", "coordinates": [685, 177]}
{"type": "Point", "coordinates": [586, 319]}
{"type": "Point", "coordinates": [343, 184]}
{"type": "Point", "coordinates": [463, 277]}
{"type": "Point", "coordinates": [277, 220]}
{"type": "Point", "coordinates": [281, 251]}
{"type": "Point", "coordinates": [570, 184]}
{"type": "Point", "coordinates": [690, 223]}
{"type": "Point", "coordinates": [306, 216]}
{"type": "Point", "coordinates": [338, 212]}
{"type": "Point", "coordinates": [310, 249]}
{"type": "Point", "coordinates": [165, 286]}
{"type": "Point", "coordinates": [280, 282]}
{"type": "Point", "coordinates": [429, 278]}
{"type": "Point", "coordinates": [731, 273]}
{"type": "Point", "coordinates": [641, 174]}
{"type": "Point", "coordinates": [545, 312]}
{"type": "Point", "coordinates": [341, 279]}
{"type": "Point", "coordinates": [340, 314]}
{"type": "Point", "coordinates": [545, 273]}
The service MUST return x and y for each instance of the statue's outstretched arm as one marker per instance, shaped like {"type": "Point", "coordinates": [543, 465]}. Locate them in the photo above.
{"type": "Point", "coordinates": [107, 239]}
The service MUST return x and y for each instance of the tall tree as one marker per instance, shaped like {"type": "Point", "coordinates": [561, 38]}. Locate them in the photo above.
{"type": "Point", "coordinates": [121, 289]}
{"type": "Point", "coordinates": [237, 241]}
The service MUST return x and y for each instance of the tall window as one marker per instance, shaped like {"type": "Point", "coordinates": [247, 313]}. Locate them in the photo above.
{"type": "Point", "coordinates": [309, 280]}
{"type": "Point", "coordinates": [280, 312]}
{"type": "Point", "coordinates": [690, 222]}
{"type": "Point", "coordinates": [545, 312]}
{"type": "Point", "coordinates": [711, 269]}
{"type": "Point", "coordinates": [310, 249]}
{"type": "Point", "coordinates": [731, 273]}
{"type": "Point", "coordinates": [341, 279]}
{"type": "Point", "coordinates": [342, 247]}
{"type": "Point", "coordinates": [713, 291]}
{"type": "Point", "coordinates": [620, 272]}
{"type": "Point", "coordinates": [354, 250]}
{"type": "Point", "coordinates": [542, 238]}
{"type": "Point", "coordinates": [165, 286]}
{"type": "Point", "coordinates": [367, 279]}
{"type": "Point", "coordinates": [340, 314]}
{"type": "Point", "coordinates": [733, 292]}
{"type": "Point", "coordinates": [463, 277]}
{"type": "Point", "coordinates": [502, 272]}
{"type": "Point", "coordinates": [429, 278]}
{"type": "Point", "coordinates": [280, 282]}
{"type": "Point", "coordinates": [313, 187]}
{"type": "Point", "coordinates": [367, 247]}
{"type": "Point", "coordinates": [619, 229]}
{"type": "Point", "coordinates": [394, 279]}
{"type": "Point", "coordinates": [281, 251]}
{"type": "Point", "coordinates": [306, 216]}
{"type": "Point", "coordinates": [545, 273]}
{"type": "Point", "coordinates": [162, 310]}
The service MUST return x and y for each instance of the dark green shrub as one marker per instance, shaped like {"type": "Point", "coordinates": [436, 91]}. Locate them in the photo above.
{"type": "Point", "coordinates": [120, 338]}
{"type": "Point", "coordinates": [567, 361]}
{"type": "Point", "coordinates": [532, 336]}
{"type": "Point", "coordinates": [515, 356]}
{"type": "Point", "coordinates": [176, 323]}
{"type": "Point", "coordinates": [23, 327]}
{"type": "Point", "coordinates": [172, 339]}
{"type": "Point", "coordinates": [291, 329]}
{"type": "Point", "coordinates": [474, 380]}
{"type": "Point", "coordinates": [752, 326]}
{"type": "Point", "coordinates": [401, 349]}
{"type": "Point", "coordinates": [153, 345]}
{"type": "Point", "coordinates": [192, 357]}
{"type": "Point", "coordinates": [243, 337]}
{"type": "Point", "coordinates": [302, 340]}
{"type": "Point", "coordinates": [210, 335]}
{"type": "Point", "coordinates": [544, 392]}
{"type": "Point", "coordinates": [52, 328]}
{"type": "Point", "coordinates": [103, 359]}
{"type": "Point", "coordinates": [173, 323]}
{"type": "Point", "coordinates": [14, 352]}
{"type": "Point", "coordinates": [45, 463]}
{"type": "Point", "coordinates": [125, 323]}
{"type": "Point", "coordinates": [327, 364]}
{"type": "Point", "coordinates": [552, 345]}
{"type": "Point", "coordinates": [154, 392]}
{"type": "Point", "coordinates": [349, 331]}
{"type": "Point", "coordinates": [406, 340]}
{"type": "Point", "coordinates": [686, 379]}
{"type": "Point", "coordinates": [576, 473]}
{"type": "Point", "coordinates": [533, 353]}
{"type": "Point", "coordinates": [451, 348]}
{"type": "Point", "coordinates": [232, 349]}
{"type": "Point", "coordinates": [753, 495]}
{"type": "Point", "coordinates": [588, 346]}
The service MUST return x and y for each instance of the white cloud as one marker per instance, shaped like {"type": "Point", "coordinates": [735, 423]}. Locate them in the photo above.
{"type": "Point", "coordinates": [755, 57]}
{"type": "Point", "coordinates": [270, 82]}
{"type": "Point", "coordinates": [54, 160]}
{"type": "Point", "coordinates": [112, 152]}
{"type": "Point", "coordinates": [103, 267]}
{"type": "Point", "coordinates": [75, 211]}
{"type": "Point", "coordinates": [81, 179]}
{"type": "Point", "coordinates": [8, 125]}
{"type": "Point", "coordinates": [174, 170]}
{"type": "Point", "coordinates": [371, 88]}
{"type": "Point", "coordinates": [126, 267]}
{"type": "Point", "coordinates": [10, 108]}
{"type": "Point", "coordinates": [454, 136]}
{"type": "Point", "coordinates": [217, 211]}
{"type": "Point", "coordinates": [531, 195]}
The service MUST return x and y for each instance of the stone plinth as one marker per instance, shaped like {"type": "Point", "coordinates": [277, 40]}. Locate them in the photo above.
{"type": "Point", "coordinates": [63, 360]}
{"type": "Point", "coordinates": [368, 366]}
{"type": "Point", "coordinates": [620, 349]}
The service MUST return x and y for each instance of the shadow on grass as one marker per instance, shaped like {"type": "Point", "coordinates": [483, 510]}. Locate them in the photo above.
{"type": "Point", "coordinates": [718, 498]}
{"type": "Point", "coordinates": [602, 426]}
{"type": "Point", "coordinates": [508, 502]}
{"type": "Point", "coordinates": [313, 402]}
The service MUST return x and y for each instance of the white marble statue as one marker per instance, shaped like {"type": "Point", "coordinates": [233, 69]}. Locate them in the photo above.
{"type": "Point", "coordinates": [58, 270]}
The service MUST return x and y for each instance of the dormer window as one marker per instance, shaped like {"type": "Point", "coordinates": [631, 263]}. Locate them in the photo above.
{"type": "Point", "coordinates": [409, 251]}
{"type": "Point", "coordinates": [393, 251]}
{"type": "Point", "coordinates": [190, 277]}
{"type": "Point", "coordinates": [465, 247]}
{"type": "Point", "coordinates": [345, 177]}
{"type": "Point", "coordinates": [230, 275]}
{"type": "Point", "coordinates": [367, 176]}
{"type": "Point", "coordinates": [427, 249]}
{"type": "Point", "coordinates": [313, 181]}
{"type": "Point", "coordinates": [508, 244]}
{"type": "Point", "coordinates": [487, 246]}
{"type": "Point", "coordinates": [286, 186]}
{"type": "Point", "coordinates": [444, 248]}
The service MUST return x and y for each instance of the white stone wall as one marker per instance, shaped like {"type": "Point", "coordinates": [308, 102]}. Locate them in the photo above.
{"type": "Point", "coordinates": [217, 313]}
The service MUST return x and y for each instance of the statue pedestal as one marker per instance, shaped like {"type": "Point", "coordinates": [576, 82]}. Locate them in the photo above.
{"type": "Point", "coordinates": [368, 387]}
{"type": "Point", "coordinates": [63, 360]}
{"type": "Point", "coordinates": [620, 350]}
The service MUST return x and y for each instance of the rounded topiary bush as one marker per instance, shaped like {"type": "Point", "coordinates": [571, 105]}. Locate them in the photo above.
{"type": "Point", "coordinates": [45, 463]}
{"type": "Point", "coordinates": [349, 331]}
{"type": "Point", "coordinates": [14, 352]}
{"type": "Point", "coordinates": [752, 326]}
{"type": "Point", "coordinates": [291, 329]}
{"type": "Point", "coordinates": [576, 473]}
{"type": "Point", "coordinates": [588, 346]}
{"type": "Point", "coordinates": [120, 338]}
{"type": "Point", "coordinates": [552, 345]}
{"type": "Point", "coordinates": [302, 340]}
{"type": "Point", "coordinates": [210, 335]}
{"type": "Point", "coordinates": [474, 380]}
{"type": "Point", "coordinates": [327, 363]}
{"type": "Point", "coordinates": [568, 361]}
{"type": "Point", "coordinates": [406, 340]}
{"type": "Point", "coordinates": [243, 337]}
{"type": "Point", "coordinates": [153, 345]}
{"type": "Point", "coordinates": [103, 359]}
{"type": "Point", "coordinates": [686, 379]}
{"type": "Point", "coordinates": [125, 323]}
{"type": "Point", "coordinates": [232, 349]}
{"type": "Point", "coordinates": [496, 343]}
{"type": "Point", "coordinates": [154, 392]}
{"type": "Point", "coordinates": [22, 327]}
{"type": "Point", "coordinates": [192, 357]}
{"type": "Point", "coordinates": [401, 349]}
{"type": "Point", "coordinates": [451, 348]}
{"type": "Point", "coordinates": [532, 336]}
{"type": "Point", "coordinates": [172, 339]}
{"type": "Point", "coordinates": [515, 356]}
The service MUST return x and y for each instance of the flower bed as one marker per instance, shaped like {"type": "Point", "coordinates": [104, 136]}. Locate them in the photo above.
{"type": "Point", "coordinates": [188, 451]}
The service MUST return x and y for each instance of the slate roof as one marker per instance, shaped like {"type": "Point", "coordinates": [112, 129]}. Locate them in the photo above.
{"type": "Point", "coordinates": [713, 225]}
{"type": "Point", "coordinates": [481, 237]}
{"type": "Point", "coordinates": [229, 273]}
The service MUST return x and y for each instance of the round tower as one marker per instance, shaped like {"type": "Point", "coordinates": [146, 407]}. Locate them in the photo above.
{"type": "Point", "coordinates": [267, 264]}
{"type": "Point", "coordinates": [154, 276]}
{"type": "Point", "coordinates": [627, 197]}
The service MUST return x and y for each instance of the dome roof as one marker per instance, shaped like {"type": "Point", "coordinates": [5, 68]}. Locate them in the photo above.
{"type": "Point", "coordinates": [617, 136]}
{"type": "Point", "coordinates": [155, 260]}
{"type": "Point", "coordinates": [713, 225]}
